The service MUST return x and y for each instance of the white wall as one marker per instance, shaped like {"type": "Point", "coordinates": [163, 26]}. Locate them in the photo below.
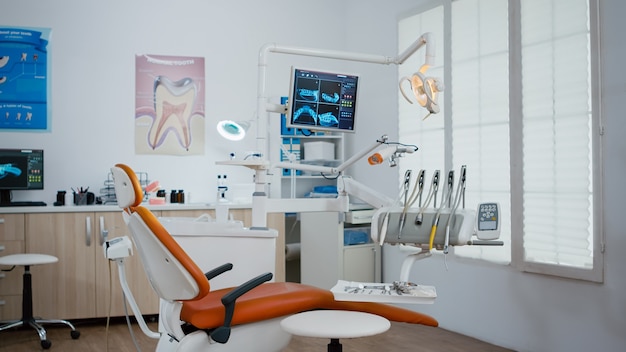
{"type": "Point", "coordinates": [529, 312]}
{"type": "Point", "coordinates": [93, 46]}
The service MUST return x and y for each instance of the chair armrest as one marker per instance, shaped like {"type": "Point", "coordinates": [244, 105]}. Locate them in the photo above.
{"type": "Point", "coordinates": [222, 333]}
{"type": "Point", "coordinates": [218, 271]}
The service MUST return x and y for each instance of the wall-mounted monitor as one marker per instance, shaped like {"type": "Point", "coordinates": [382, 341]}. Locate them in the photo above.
{"type": "Point", "coordinates": [321, 100]}
{"type": "Point", "coordinates": [20, 169]}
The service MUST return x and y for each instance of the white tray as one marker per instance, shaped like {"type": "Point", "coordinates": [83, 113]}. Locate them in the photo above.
{"type": "Point", "coordinates": [382, 292]}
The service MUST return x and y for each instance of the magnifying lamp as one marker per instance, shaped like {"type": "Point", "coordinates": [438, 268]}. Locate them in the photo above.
{"type": "Point", "coordinates": [233, 130]}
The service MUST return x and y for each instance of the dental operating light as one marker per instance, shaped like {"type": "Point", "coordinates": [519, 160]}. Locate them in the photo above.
{"type": "Point", "coordinates": [425, 89]}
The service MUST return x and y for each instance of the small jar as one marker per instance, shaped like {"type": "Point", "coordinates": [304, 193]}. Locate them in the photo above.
{"type": "Point", "coordinates": [173, 197]}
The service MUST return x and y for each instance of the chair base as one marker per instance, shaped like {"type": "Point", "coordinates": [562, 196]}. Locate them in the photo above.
{"type": "Point", "coordinates": [36, 324]}
{"type": "Point", "coordinates": [27, 314]}
{"type": "Point", "coordinates": [335, 346]}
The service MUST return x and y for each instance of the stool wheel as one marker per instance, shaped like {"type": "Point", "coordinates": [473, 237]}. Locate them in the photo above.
{"type": "Point", "coordinates": [75, 334]}
{"type": "Point", "coordinates": [45, 344]}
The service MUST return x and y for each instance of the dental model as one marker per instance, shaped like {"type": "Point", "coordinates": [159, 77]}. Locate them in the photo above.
{"type": "Point", "coordinates": [4, 60]}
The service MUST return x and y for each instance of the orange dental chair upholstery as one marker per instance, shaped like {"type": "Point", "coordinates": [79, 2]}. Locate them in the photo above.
{"type": "Point", "coordinates": [245, 318]}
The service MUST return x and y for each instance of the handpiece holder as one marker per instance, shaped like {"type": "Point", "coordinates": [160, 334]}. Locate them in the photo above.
{"type": "Point", "coordinates": [414, 238]}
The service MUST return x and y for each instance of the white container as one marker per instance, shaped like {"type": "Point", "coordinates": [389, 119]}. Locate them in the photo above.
{"type": "Point", "coordinates": [319, 151]}
{"type": "Point", "coordinates": [211, 244]}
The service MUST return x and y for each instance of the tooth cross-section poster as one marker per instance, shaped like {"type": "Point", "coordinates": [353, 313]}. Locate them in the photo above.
{"type": "Point", "coordinates": [24, 84]}
{"type": "Point", "coordinates": [169, 105]}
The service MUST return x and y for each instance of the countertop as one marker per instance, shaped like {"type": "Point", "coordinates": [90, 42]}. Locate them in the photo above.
{"type": "Point", "coordinates": [94, 208]}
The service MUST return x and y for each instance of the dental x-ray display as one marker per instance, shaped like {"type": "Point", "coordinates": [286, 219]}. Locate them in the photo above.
{"type": "Point", "coordinates": [322, 100]}
{"type": "Point", "coordinates": [20, 169]}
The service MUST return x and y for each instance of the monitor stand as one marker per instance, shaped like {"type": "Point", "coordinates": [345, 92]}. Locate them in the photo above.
{"type": "Point", "coordinates": [5, 196]}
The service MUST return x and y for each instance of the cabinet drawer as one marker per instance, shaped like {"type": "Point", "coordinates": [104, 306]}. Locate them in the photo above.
{"type": "Point", "coordinates": [12, 227]}
{"type": "Point", "coordinates": [10, 307]}
{"type": "Point", "coordinates": [11, 281]}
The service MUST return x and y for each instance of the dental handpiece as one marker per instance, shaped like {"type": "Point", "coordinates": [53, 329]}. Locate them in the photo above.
{"type": "Point", "coordinates": [407, 183]}
{"type": "Point", "coordinates": [434, 187]}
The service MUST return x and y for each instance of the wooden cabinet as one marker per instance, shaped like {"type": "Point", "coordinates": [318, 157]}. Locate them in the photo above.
{"type": "Point", "coordinates": [80, 284]}
{"type": "Point", "coordinates": [83, 283]}
{"type": "Point", "coordinates": [66, 289]}
{"type": "Point", "coordinates": [11, 242]}
{"type": "Point", "coordinates": [110, 225]}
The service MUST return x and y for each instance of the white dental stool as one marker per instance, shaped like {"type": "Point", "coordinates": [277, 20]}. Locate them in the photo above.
{"type": "Point", "coordinates": [27, 260]}
{"type": "Point", "coordinates": [335, 325]}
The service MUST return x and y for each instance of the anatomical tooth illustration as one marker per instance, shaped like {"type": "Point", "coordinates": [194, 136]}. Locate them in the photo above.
{"type": "Point", "coordinates": [173, 105]}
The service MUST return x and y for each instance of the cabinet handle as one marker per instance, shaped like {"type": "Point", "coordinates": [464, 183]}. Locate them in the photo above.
{"type": "Point", "coordinates": [104, 233]}
{"type": "Point", "coordinates": [2, 302]}
{"type": "Point", "coordinates": [1, 248]}
{"type": "Point", "coordinates": [2, 275]}
{"type": "Point", "coordinates": [88, 231]}
{"type": "Point", "coordinates": [1, 220]}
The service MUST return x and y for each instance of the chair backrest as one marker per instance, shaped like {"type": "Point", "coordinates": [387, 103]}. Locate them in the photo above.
{"type": "Point", "coordinates": [171, 272]}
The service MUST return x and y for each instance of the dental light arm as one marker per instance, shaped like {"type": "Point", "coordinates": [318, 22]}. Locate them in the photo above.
{"type": "Point", "coordinates": [345, 186]}
{"type": "Point", "coordinates": [261, 204]}
{"type": "Point", "coordinates": [333, 170]}
{"type": "Point", "coordinates": [263, 107]}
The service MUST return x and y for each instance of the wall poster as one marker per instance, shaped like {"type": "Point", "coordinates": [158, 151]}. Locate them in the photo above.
{"type": "Point", "coordinates": [24, 84]}
{"type": "Point", "coordinates": [169, 105]}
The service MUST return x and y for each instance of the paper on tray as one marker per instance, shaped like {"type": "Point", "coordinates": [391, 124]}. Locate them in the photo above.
{"type": "Point", "coordinates": [382, 292]}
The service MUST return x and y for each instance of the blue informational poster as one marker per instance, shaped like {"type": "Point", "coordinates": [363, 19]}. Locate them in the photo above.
{"type": "Point", "coordinates": [24, 78]}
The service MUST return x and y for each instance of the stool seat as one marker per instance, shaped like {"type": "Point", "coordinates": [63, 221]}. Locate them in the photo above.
{"type": "Point", "coordinates": [335, 325]}
{"type": "Point", "coordinates": [28, 259]}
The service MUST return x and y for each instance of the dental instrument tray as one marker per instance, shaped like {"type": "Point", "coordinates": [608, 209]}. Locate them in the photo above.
{"type": "Point", "coordinates": [396, 292]}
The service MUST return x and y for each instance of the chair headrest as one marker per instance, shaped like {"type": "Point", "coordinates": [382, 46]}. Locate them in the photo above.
{"type": "Point", "coordinates": [128, 190]}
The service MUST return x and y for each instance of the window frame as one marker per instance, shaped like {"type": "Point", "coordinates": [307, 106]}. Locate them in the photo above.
{"type": "Point", "coordinates": [595, 274]}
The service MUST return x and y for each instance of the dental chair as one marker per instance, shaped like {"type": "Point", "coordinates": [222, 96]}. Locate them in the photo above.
{"type": "Point", "coordinates": [244, 318]}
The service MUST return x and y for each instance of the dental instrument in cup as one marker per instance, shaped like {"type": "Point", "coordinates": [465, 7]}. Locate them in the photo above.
{"type": "Point", "coordinates": [444, 202]}
{"type": "Point", "coordinates": [408, 201]}
{"type": "Point", "coordinates": [460, 194]}
{"type": "Point", "coordinates": [417, 193]}
{"type": "Point", "coordinates": [432, 192]}
{"type": "Point", "coordinates": [407, 183]}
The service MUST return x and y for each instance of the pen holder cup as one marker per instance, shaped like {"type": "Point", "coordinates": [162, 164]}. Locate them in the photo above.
{"type": "Point", "coordinates": [84, 198]}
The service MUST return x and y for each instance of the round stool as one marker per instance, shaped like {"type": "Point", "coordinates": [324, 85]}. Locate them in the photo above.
{"type": "Point", "coordinates": [335, 324]}
{"type": "Point", "coordinates": [26, 260]}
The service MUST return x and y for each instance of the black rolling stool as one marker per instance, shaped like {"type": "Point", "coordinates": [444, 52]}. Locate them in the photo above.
{"type": "Point", "coordinates": [26, 260]}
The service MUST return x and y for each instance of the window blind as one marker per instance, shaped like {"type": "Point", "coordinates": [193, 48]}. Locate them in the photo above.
{"type": "Point", "coordinates": [557, 148]}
